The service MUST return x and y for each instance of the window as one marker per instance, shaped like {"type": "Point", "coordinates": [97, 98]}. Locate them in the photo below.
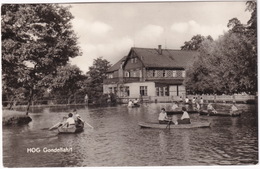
{"type": "Point", "coordinates": [134, 73]}
{"type": "Point", "coordinates": [135, 60]}
{"type": "Point", "coordinates": [115, 90]}
{"type": "Point", "coordinates": [132, 60]}
{"type": "Point", "coordinates": [126, 74]}
{"type": "Point", "coordinates": [110, 89]}
{"type": "Point", "coordinates": [143, 90]}
{"type": "Point", "coordinates": [166, 91]}
{"type": "Point", "coordinates": [154, 73]}
{"type": "Point", "coordinates": [174, 73]}
{"type": "Point", "coordinates": [127, 91]}
{"type": "Point", "coordinates": [162, 91]}
{"type": "Point", "coordinates": [157, 91]}
{"type": "Point", "coordinates": [183, 73]}
{"type": "Point", "coordinates": [110, 76]}
{"type": "Point", "coordinates": [164, 74]}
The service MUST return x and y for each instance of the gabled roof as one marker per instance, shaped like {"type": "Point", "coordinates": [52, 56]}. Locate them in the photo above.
{"type": "Point", "coordinates": [169, 58]}
{"type": "Point", "coordinates": [116, 66]}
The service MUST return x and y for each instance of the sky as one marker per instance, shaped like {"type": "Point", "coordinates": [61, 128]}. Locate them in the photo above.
{"type": "Point", "coordinates": [109, 30]}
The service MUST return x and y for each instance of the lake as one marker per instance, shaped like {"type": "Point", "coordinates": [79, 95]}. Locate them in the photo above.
{"type": "Point", "coordinates": [117, 140]}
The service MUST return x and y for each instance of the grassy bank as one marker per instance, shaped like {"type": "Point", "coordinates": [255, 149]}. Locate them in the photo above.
{"type": "Point", "coordinates": [11, 117]}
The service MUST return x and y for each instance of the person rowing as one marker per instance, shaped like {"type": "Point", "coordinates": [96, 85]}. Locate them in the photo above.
{"type": "Point", "coordinates": [163, 119]}
{"type": "Point", "coordinates": [234, 109]}
{"type": "Point", "coordinates": [211, 109]}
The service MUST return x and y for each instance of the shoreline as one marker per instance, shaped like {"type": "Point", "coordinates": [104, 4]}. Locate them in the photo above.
{"type": "Point", "coordinates": [12, 117]}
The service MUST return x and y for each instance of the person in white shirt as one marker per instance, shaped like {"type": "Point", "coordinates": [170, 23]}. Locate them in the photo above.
{"type": "Point", "coordinates": [187, 100]}
{"type": "Point", "coordinates": [163, 119]}
{"type": "Point", "coordinates": [174, 106]}
{"type": "Point", "coordinates": [185, 118]}
{"type": "Point", "coordinates": [130, 103]}
{"type": "Point", "coordinates": [201, 100]}
{"type": "Point", "coordinates": [70, 121]}
{"type": "Point", "coordinates": [234, 109]}
{"type": "Point", "coordinates": [211, 109]}
{"type": "Point", "coordinates": [135, 102]}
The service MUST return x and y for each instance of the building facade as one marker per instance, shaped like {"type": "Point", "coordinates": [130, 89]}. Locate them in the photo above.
{"type": "Point", "coordinates": [150, 73]}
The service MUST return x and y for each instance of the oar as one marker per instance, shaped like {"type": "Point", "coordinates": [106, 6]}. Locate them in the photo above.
{"type": "Point", "coordinates": [169, 124]}
{"type": "Point", "coordinates": [55, 126]}
{"type": "Point", "coordinates": [88, 125]}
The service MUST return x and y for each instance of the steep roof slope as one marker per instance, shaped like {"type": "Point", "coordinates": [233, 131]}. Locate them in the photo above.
{"type": "Point", "coordinates": [116, 66]}
{"type": "Point", "coordinates": [167, 59]}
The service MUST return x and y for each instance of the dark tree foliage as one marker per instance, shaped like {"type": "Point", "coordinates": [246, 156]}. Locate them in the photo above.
{"type": "Point", "coordinates": [36, 39]}
{"type": "Point", "coordinates": [97, 73]}
{"type": "Point", "coordinates": [195, 42]}
{"type": "Point", "coordinates": [67, 84]}
{"type": "Point", "coordinates": [229, 64]}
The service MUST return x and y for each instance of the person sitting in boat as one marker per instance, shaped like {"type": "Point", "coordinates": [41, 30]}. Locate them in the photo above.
{"type": "Point", "coordinates": [211, 109]}
{"type": "Point", "coordinates": [135, 102]}
{"type": "Point", "coordinates": [130, 103]}
{"type": "Point", "coordinates": [185, 118]}
{"type": "Point", "coordinates": [175, 106]}
{"type": "Point", "coordinates": [163, 119]}
{"type": "Point", "coordinates": [197, 106]}
{"type": "Point", "coordinates": [201, 100]}
{"type": "Point", "coordinates": [193, 100]}
{"type": "Point", "coordinates": [78, 120]}
{"type": "Point", "coordinates": [187, 100]}
{"type": "Point", "coordinates": [234, 109]}
{"type": "Point", "coordinates": [70, 121]}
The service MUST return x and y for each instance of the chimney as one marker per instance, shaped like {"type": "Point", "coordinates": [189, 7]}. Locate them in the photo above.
{"type": "Point", "coordinates": [160, 49]}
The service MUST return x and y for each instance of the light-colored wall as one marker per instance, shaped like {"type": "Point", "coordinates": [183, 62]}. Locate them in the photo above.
{"type": "Point", "coordinates": [106, 87]}
{"type": "Point", "coordinates": [134, 88]}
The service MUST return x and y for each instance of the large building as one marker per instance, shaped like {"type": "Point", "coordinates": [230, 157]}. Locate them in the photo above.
{"type": "Point", "coordinates": [154, 74]}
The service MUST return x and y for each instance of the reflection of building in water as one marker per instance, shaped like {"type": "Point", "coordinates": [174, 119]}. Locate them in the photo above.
{"type": "Point", "coordinates": [153, 74]}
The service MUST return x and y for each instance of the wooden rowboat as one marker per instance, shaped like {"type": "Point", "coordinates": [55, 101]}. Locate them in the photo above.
{"type": "Point", "coordinates": [180, 112]}
{"type": "Point", "coordinates": [134, 105]}
{"type": "Point", "coordinates": [71, 129]}
{"type": "Point", "coordinates": [172, 126]}
{"type": "Point", "coordinates": [235, 114]}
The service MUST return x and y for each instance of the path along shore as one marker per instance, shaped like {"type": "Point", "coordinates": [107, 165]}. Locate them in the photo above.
{"type": "Point", "coordinates": [11, 117]}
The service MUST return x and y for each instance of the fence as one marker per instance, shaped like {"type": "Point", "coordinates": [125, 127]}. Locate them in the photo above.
{"type": "Point", "coordinates": [238, 98]}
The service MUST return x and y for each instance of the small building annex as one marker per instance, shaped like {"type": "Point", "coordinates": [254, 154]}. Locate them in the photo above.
{"type": "Point", "coordinates": [149, 73]}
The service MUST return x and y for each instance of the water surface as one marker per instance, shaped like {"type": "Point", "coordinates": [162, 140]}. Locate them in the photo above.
{"type": "Point", "coordinates": [117, 140]}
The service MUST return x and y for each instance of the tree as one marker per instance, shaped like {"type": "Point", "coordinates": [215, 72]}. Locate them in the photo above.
{"type": "Point", "coordinates": [67, 83]}
{"type": "Point", "coordinates": [195, 42]}
{"type": "Point", "coordinates": [236, 26]}
{"type": "Point", "coordinates": [36, 39]}
{"type": "Point", "coordinates": [97, 73]}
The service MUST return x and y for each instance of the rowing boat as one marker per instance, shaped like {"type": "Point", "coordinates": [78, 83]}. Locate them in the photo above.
{"type": "Point", "coordinates": [180, 112]}
{"type": "Point", "coordinates": [134, 105]}
{"type": "Point", "coordinates": [71, 129]}
{"type": "Point", "coordinates": [172, 126]}
{"type": "Point", "coordinates": [235, 114]}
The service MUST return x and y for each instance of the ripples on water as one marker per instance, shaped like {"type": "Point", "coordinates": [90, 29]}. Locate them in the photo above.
{"type": "Point", "coordinates": [117, 140]}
